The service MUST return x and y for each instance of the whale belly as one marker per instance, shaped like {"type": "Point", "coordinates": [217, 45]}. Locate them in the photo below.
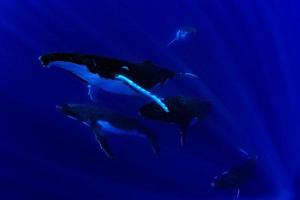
{"type": "Point", "coordinates": [107, 128]}
{"type": "Point", "coordinates": [81, 71]}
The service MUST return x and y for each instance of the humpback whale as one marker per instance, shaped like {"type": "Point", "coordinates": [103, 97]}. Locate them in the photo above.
{"type": "Point", "coordinates": [183, 33]}
{"type": "Point", "coordinates": [236, 176]}
{"type": "Point", "coordinates": [105, 122]}
{"type": "Point", "coordinates": [113, 75]}
{"type": "Point", "coordinates": [183, 110]}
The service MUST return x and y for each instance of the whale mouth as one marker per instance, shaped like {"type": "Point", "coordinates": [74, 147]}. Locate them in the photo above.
{"type": "Point", "coordinates": [43, 61]}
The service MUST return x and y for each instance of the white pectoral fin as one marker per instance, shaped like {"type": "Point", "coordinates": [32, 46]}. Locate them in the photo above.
{"type": "Point", "coordinates": [102, 140]}
{"type": "Point", "coordinates": [143, 91]}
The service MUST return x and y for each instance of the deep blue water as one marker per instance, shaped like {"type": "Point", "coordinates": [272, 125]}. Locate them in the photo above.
{"type": "Point", "coordinates": [245, 53]}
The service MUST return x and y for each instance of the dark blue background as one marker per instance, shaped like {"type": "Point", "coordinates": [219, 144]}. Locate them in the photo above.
{"type": "Point", "coordinates": [246, 54]}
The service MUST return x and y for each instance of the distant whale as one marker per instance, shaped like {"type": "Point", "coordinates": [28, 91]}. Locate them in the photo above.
{"type": "Point", "coordinates": [183, 111]}
{"type": "Point", "coordinates": [105, 122]}
{"type": "Point", "coordinates": [113, 75]}
{"type": "Point", "coordinates": [183, 33]}
{"type": "Point", "coordinates": [236, 176]}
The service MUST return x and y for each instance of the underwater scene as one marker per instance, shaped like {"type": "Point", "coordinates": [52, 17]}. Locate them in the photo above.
{"type": "Point", "coordinates": [152, 100]}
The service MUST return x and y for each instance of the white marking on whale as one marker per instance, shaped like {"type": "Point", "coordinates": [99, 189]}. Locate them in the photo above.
{"type": "Point", "coordinates": [143, 91]}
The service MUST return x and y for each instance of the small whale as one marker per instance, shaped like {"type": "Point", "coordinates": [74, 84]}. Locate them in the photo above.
{"type": "Point", "coordinates": [236, 176]}
{"type": "Point", "coordinates": [184, 111]}
{"type": "Point", "coordinates": [105, 122]}
{"type": "Point", "coordinates": [183, 33]}
{"type": "Point", "coordinates": [113, 75]}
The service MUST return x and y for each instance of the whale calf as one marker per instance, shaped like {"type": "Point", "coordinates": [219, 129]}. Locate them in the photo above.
{"type": "Point", "coordinates": [183, 33]}
{"type": "Point", "coordinates": [105, 122]}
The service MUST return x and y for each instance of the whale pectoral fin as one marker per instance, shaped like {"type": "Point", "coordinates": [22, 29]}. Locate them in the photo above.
{"type": "Point", "coordinates": [142, 91]}
{"type": "Point", "coordinates": [104, 145]}
{"type": "Point", "coordinates": [91, 92]}
{"type": "Point", "coordinates": [183, 133]}
{"type": "Point", "coordinates": [102, 140]}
